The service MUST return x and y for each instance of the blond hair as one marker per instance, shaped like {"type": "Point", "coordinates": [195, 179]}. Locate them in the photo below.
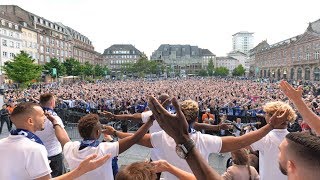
{"type": "Point", "coordinates": [272, 107]}
{"type": "Point", "coordinates": [190, 109]}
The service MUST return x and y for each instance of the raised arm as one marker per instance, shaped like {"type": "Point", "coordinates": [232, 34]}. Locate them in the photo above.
{"type": "Point", "coordinates": [233, 143]}
{"type": "Point", "coordinates": [176, 126]}
{"type": "Point", "coordinates": [204, 126]}
{"type": "Point", "coordinates": [144, 141]}
{"type": "Point", "coordinates": [127, 142]}
{"type": "Point", "coordinates": [60, 132]}
{"type": "Point", "coordinates": [123, 117]}
{"type": "Point", "coordinates": [295, 95]}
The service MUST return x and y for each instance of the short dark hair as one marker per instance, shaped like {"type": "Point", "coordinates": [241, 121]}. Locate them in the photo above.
{"type": "Point", "coordinates": [23, 109]}
{"type": "Point", "coordinates": [45, 98]}
{"type": "Point", "coordinates": [87, 124]}
{"type": "Point", "coordinates": [306, 147]}
{"type": "Point", "coordinates": [137, 171]}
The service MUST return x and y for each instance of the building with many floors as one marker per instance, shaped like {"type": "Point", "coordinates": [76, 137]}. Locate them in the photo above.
{"type": "Point", "coordinates": [296, 58]}
{"type": "Point", "coordinates": [242, 41]}
{"type": "Point", "coordinates": [54, 40]}
{"type": "Point", "coordinates": [119, 54]}
{"type": "Point", "coordinates": [183, 58]}
{"type": "Point", "coordinates": [10, 39]}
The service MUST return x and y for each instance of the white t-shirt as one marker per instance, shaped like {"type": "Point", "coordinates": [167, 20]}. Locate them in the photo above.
{"type": "Point", "coordinates": [74, 157]}
{"type": "Point", "coordinates": [22, 158]}
{"type": "Point", "coordinates": [155, 153]}
{"type": "Point", "coordinates": [49, 137]}
{"type": "Point", "coordinates": [155, 126]}
{"type": "Point", "coordinates": [268, 148]}
{"type": "Point", "coordinates": [206, 144]}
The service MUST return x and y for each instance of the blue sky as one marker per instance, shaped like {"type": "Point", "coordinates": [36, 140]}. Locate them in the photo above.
{"type": "Point", "coordinates": [148, 23]}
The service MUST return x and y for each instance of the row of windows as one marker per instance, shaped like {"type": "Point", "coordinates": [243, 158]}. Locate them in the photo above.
{"type": "Point", "coordinates": [10, 33]}
{"type": "Point", "coordinates": [122, 56]}
{"type": "Point", "coordinates": [52, 41]}
{"type": "Point", "coordinates": [47, 58]}
{"type": "Point", "coordinates": [11, 44]}
{"type": "Point", "coordinates": [55, 51]}
{"type": "Point", "coordinates": [122, 61]}
{"type": "Point", "coordinates": [300, 57]}
{"type": "Point", "coordinates": [15, 26]}
{"type": "Point", "coordinates": [30, 44]}
{"type": "Point", "coordinates": [7, 54]}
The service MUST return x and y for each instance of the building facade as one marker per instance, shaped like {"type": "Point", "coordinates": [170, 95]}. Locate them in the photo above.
{"type": "Point", "coordinates": [119, 54]}
{"type": "Point", "coordinates": [183, 58]}
{"type": "Point", "coordinates": [242, 41]}
{"type": "Point", "coordinates": [242, 59]}
{"type": "Point", "coordinates": [296, 58]}
{"type": "Point", "coordinates": [83, 49]}
{"type": "Point", "coordinates": [229, 62]}
{"type": "Point", "coordinates": [54, 40]}
{"type": "Point", "coordinates": [10, 39]}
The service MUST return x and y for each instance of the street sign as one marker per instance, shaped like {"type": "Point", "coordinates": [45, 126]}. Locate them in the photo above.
{"type": "Point", "coordinates": [54, 71]}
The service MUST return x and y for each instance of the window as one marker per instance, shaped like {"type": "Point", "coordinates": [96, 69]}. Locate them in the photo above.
{"type": "Point", "coordinates": [10, 25]}
{"type": "Point", "coordinates": [47, 40]}
{"type": "Point", "coordinates": [3, 22]}
{"type": "Point", "coordinates": [11, 55]}
{"type": "Point", "coordinates": [58, 44]}
{"type": "Point", "coordinates": [47, 50]}
{"type": "Point", "coordinates": [41, 58]}
{"type": "Point", "coordinates": [11, 44]}
{"type": "Point", "coordinates": [17, 45]}
{"type": "Point", "coordinates": [41, 49]}
{"type": "Point", "coordinates": [11, 33]}
{"type": "Point", "coordinates": [52, 41]}
{"type": "Point", "coordinates": [47, 59]}
{"type": "Point", "coordinates": [316, 55]}
{"type": "Point", "coordinates": [53, 51]}
{"type": "Point", "coordinates": [17, 35]}
{"type": "Point", "coordinates": [4, 42]}
{"type": "Point", "coordinates": [29, 44]}
{"type": "Point", "coordinates": [41, 39]}
{"type": "Point", "coordinates": [4, 54]}
{"type": "Point", "coordinates": [308, 56]}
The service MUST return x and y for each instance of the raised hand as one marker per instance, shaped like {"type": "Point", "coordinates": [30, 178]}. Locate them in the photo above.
{"type": "Point", "coordinates": [160, 166]}
{"type": "Point", "coordinates": [277, 120]}
{"type": "Point", "coordinates": [108, 115]}
{"type": "Point", "coordinates": [290, 91]}
{"type": "Point", "coordinates": [108, 130]}
{"type": "Point", "coordinates": [50, 117]}
{"type": "Point", "coordinates": [175, 125]}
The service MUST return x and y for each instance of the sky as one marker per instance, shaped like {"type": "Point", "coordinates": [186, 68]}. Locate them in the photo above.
{"type": "Point", "coordinates": [147, 24]}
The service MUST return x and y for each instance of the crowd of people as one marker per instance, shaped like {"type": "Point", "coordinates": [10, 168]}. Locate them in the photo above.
{"type": "Point", "coordinates": [186, 123]}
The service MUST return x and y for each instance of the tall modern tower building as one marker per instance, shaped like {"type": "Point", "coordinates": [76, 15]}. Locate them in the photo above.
{"type": "Point", "coordinates": [242, 41]}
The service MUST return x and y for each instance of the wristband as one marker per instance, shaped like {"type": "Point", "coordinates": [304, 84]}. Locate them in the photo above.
{"type": "Point", "coordinates": [55, 125]}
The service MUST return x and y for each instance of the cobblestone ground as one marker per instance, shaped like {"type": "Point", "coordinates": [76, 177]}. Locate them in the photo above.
{"type": "Point", "coordinates": [140, 153]}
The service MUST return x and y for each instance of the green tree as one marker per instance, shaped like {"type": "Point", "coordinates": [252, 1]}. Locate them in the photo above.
{"type": "Point", "coordinates": [55, 63]}
{"type": "Point", "coordinates": [210, 67]}
{"type": "Point", "coordinates": [98, 70]}
{"type": "Point", "coordinates": [73, 67]}
{"type": "Point", "coordinates": [22, 69]}
{"type": "Point", "coordinates": [238, 71]}
{"type": "Point", "coordinates": [221, 71]}
{"type": "Point", "coordinates": [202, 72]}
{"type": "Point", "coordinates": [88, 69]}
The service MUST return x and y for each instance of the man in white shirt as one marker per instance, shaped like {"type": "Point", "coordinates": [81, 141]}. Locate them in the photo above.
{"type": "Point", "coordinates": [268, 145]}
{"type": "Point", "coordinates": [23, 152]}
{"type": "Point", "coordinates": [205, 143]}
{"type": "Point", "coordinates": [90, 130]}
{"type": "Point", "coordinates": [48, 137]}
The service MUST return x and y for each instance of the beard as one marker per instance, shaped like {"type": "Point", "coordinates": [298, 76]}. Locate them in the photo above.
{"type": "Point", "coordinates": [284, 171]}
